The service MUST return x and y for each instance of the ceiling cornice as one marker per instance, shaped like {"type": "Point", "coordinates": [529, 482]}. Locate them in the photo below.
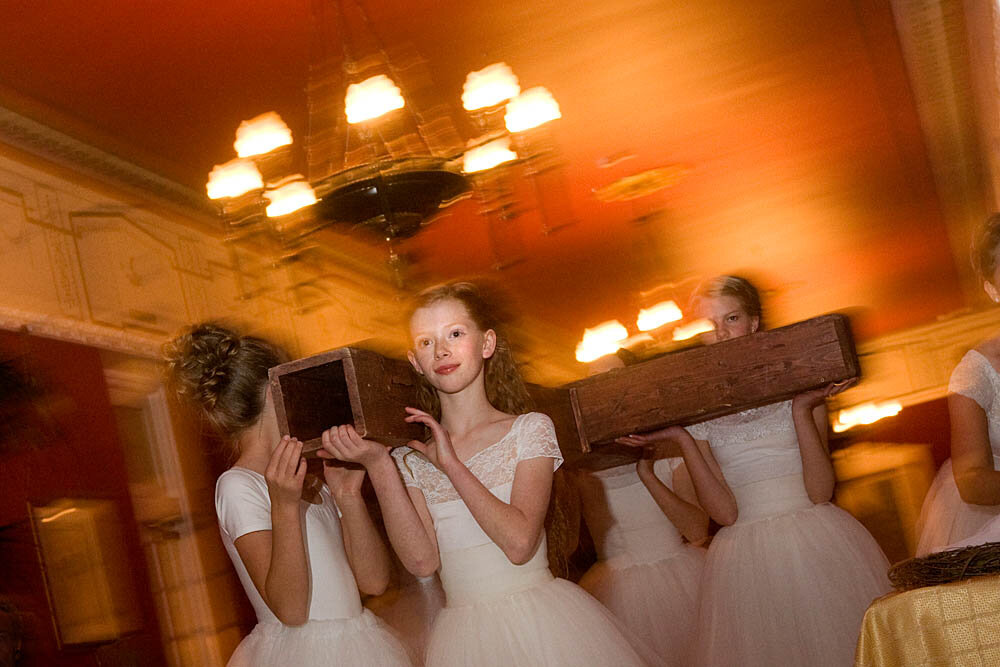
{"type": "Point", "coordinates": [51, 145]}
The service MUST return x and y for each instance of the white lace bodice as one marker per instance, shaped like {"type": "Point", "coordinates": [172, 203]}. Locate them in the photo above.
{"type": "Point", "coordinates": [623, 518]}
{"type": "Point", "coordinates": [753, 445]}
{"type": "Point", "coordinates": [974, 377]}
{"type": "Point", "coordinates": [473, 567]}
{"type": "Point", "coordinates": [531, 435]}
{"type": "Point", "coordinates": [758, 452]}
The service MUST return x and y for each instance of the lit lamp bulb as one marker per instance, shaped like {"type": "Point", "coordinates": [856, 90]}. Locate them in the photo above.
{"type": "Point", "coordinates": [532, 108]}
{"type": "Point", "coordinates": [289, 197]}
{"type": "Point", "coordinates": [261, 135]}
{"type": "Point", "coordinates": [234, 178]}
{"type": "Point", "coordinates": [658, 315]}
{"type": "Point", "coordinates": [372, 98]}
{"type": "Point", "coordinates": [603, 339]}
{"type": "Point", "coordinates": [692, 329]}
{"type": "Point", "coordinates": [488, 155]}
{"type": "Point", "coordinates": [489, 87]}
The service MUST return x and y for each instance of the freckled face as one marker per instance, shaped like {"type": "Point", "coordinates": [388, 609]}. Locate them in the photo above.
{"type": "Point", "coordinates": [448, 347]}
{"type": "Point", "coordinates": [727, 315]}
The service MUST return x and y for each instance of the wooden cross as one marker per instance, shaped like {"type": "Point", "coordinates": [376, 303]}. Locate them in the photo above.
{"type": "Point", "coordinates": [350, 385]}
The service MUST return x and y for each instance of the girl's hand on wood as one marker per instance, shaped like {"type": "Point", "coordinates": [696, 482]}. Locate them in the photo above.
{"type": "Point", "coordinates": [670, 434]}
{"type": "Point", "coordinates": [285, 473]}
{"type": "Point", "coordinates": [344, 444]}
{"type": "Point", "coordinates": [439, 450]}
{"type": "Point", "coordinates": [808, 400]}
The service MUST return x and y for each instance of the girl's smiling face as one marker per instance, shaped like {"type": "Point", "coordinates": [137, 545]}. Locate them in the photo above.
{"type": "Point", "coordinates": [728, 317]}
{"type": "Point", "coordinates": [448, 347]}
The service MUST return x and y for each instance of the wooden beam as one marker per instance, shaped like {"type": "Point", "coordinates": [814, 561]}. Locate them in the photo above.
{"type": "Point", "coordinates": [702, 383]}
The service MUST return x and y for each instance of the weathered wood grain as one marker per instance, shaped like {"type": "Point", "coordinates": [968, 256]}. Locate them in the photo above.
{"type": "Point", "coordinates": [706, 382]}
{"type": "Point", "coordinates": [347, 385]}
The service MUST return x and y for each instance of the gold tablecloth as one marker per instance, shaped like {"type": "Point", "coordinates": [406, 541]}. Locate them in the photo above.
{"type": "Point", "coordinates": [955, 624]}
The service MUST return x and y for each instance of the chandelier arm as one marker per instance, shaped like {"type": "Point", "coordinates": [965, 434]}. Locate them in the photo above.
{"type": "Point", "coordinates": [397, 76]}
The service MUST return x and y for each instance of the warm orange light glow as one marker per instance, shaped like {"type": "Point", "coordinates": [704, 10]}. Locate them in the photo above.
{"type": "Point", "coordinates": [233, 179]}
{"type": "Point", "coordinates": [658, 315]}
{"type": "Point", "coordinates": [261, 135]}
{"type": "Point", "coordinates": [692, 329]}
{"type": "Point", "coordinates": [488, 155]}
{"type": "Point", "coordinates": [372, 98]}
{"type": "Point", "coordinates": [866, 413]}
{"type": "Point", "coordinates": [289, 197]}
{"type": "Point", "coordinates": [532, 108]}
{"type": "Point", "coordinates": [489, 86]}
{"type": "Point", "coordinates": [603, 339]}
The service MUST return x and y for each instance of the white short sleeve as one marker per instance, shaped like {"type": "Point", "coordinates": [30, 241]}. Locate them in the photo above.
{"type": "Point", "coordinates": [536, 438]}
{"type": "Point", "coordinates": [404, 458]}
{"type": "Point", "coordinates": [242, 503]}
{"type": "Point", "coordinates": [971, 378]}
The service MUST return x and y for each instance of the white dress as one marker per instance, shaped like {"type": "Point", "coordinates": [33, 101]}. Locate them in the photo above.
{"type": "Point", "coordinates": [339, 630]}
{"type": "Point", "coordinates": [645, 573]}
{"type": "Point", "coordinates": [789, 582]}
{"type": "Point", "coordinates": [498, 613]}
{"type": "Point", "coordinates": [945, 518]}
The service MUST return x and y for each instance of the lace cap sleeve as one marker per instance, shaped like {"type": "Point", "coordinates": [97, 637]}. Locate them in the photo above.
{"type": "Point", "coordinates": [406, 458]}
{"type": "Point", "coordinates": [971, 378]}
{"type": "Point", "coordinates": [698, 431]}
{"type": "Point", "coordinates": [537, 438]}
{"type": "Point", "coordinates": [242, 503]}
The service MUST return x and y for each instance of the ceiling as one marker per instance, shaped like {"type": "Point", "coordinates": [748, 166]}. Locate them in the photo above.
{"type": "Point", "coordinates": [807, 167]}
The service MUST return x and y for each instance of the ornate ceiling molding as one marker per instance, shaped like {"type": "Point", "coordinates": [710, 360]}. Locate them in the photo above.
{"type": "Point", "coordinates": [58, 148]}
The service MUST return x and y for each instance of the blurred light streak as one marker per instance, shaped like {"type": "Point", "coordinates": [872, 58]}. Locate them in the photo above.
{"type": "Point", "coordinates": [658, 315]}
{"type": "Point", "coordinates": [603, 339]}
{"type": "Point", "coordinates": [692, 329]}
{"type": "Point", "coordinates": [866, 413]}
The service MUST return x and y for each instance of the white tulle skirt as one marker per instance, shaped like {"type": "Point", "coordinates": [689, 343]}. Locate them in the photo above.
{"type": "Point", "coordinates": [658, 600]}
{"type": "Point", "coordinates": [363, 641]}
{"type": "Point", "coordinates": [788, 589]}
{"type": "Point", "coordinates": [945, 518]}
{"type": "Point", "coordinates": [551, 624]}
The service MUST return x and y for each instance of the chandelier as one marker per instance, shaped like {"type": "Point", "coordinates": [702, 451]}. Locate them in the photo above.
{"type": "Point", "coordinates": [380, 157]}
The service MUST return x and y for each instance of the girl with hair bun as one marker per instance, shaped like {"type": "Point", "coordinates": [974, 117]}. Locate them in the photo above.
{"type": "Point", "coordinates": [646, 522]}
{"type": "Point", "coordinates": [789, 576]}
{"type": "Point", "coordinates": [965, 494]}
{"type": "Point", "coordinates": [300, 563]}
{"type": "Point", "coordinates": [471, 500]}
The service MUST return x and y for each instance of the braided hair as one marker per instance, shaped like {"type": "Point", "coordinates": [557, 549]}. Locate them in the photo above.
{"type": "Point", "coordinates": [221, 374]}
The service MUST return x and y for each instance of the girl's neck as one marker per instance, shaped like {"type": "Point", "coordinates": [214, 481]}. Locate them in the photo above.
{"type": "Point", "coordinates": [255, 452]}
{"type": "Point", "coordinates": [464, 411]}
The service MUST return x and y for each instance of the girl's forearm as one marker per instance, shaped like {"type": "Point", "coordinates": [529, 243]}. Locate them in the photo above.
{"type": "Point", "coordinates": [817, 469]}
{"type": "Point", "coordinates": [409, 538]}
{"type": "Point", "coordinates": [366, 551]}
{"type": "Point", "coordinates": [712, 494]}
{"type": "Point", "coordinates": [287, 582]}
{"type": "Point", "coordinates": [978, 485]}
{"type": "Point", "coordinates": [689, 519]}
